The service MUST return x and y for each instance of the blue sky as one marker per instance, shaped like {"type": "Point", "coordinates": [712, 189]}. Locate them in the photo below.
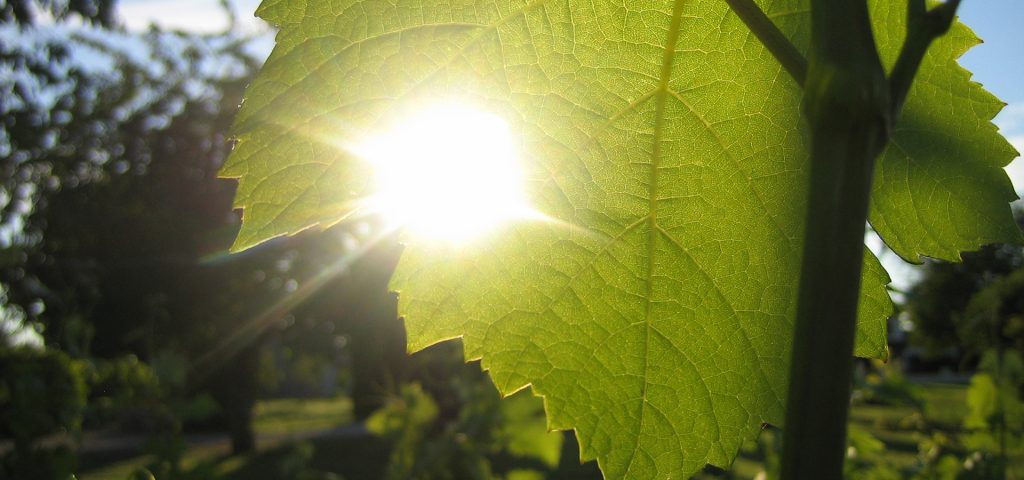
{"type": "Point", "coordinates": [999, 64]}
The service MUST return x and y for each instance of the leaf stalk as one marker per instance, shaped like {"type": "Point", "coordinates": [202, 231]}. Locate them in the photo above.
{"type": "Point", "coordinates": [772, 38]}
{"type": "Point", "coordinates": [923, 27]}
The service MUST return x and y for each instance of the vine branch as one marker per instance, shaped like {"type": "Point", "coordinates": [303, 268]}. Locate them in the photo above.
{"type": "Point", "coordinates": [923, 27]}
{"type": "Point", "coordinates": [850, 106]}
{"type": "Point", "coordinates": [846, 104]}
{"type": "Point", "coordinates": [772, 38]}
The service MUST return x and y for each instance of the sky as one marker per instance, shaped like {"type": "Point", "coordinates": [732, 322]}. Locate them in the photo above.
{"type": "Point", "coordinates": [998, 64]}
{"type": "Point", "coordinates": [193, 15]}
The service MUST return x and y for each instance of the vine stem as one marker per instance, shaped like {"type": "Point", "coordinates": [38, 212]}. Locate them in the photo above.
{"type": "Point", "coordinates": [923, 27]}
{"type": "Point", "coordinates": [847, 106]}
{"type": "Point", "coordinates": [850, 107]}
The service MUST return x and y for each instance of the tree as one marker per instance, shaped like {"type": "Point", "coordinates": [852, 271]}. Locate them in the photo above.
{"type": "Point", "coordinates": [936, 304]}
{"type": "Point", "coordinates": [24, 12]}
{"type": "Point", "coordinates": [107, 152]}
{"type": "Point", "coordinates": [71, 121]}
{"type": "Point", "coordinates": [994, 318]}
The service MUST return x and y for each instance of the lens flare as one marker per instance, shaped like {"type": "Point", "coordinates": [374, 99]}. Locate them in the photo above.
{"type": "Point", "coordinates": [447, 172]}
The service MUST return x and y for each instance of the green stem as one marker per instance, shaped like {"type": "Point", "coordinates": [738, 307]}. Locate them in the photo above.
{"type": "Point", "coordinates": [773, 39]}
{"type": "Point", "coordinates": [850, 107]}
{"type": "Point", "coordinates": [847, 108]}
{"type": "Point", "coordinates": [923, 27]}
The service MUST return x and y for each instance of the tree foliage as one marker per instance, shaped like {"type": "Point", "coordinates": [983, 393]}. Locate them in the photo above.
{"type": "Point", "coordinates": [26, 12]}
{"type": "Point", "coordinates": [994, 318]}
{"type": "Point", "coordinates": [110, 201]}
{"type": "Point", "coordinates": [94, 119]}
{"type": "Point", "coordinates": [938, 302]}
{"type": "Point", "coordinates": [41, 394]}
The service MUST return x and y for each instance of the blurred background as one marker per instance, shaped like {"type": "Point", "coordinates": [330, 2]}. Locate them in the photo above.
{"type": "Point", "coordinates": [133, 346]}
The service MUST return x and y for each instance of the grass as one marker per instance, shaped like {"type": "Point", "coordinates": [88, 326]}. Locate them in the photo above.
{"type": "Point", "coordinates": [945, 404]}
{"type": "Point", "coordinates": [276, 422]}
{"type": "Point", "coordinates": [287, 416]}
{"type": "Point", "coordinates": [901, 429]}
{"type": "Point", "coordinates": [290, 422]}
{"type": "Point", "coordinates": [194, 457]}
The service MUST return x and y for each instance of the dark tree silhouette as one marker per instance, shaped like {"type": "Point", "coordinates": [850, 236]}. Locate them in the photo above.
{"type": "Point", "coordinates": [112, 205]}
{"type": "Point", "coordinates": [937, 302]}
{"type": "Point", "coordinates": [24, 12]}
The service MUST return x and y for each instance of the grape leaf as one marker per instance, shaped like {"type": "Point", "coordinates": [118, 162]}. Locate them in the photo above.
{"type": "Point", "coordinates": [940, 188]}
{"type": "Point", "coordinates": [655, 314]}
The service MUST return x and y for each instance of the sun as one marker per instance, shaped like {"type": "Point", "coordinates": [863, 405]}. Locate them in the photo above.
{"type": "Point", "coordinates": [447, 172]}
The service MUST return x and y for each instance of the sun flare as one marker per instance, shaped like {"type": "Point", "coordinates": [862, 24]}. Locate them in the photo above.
{"type": "Point", "coordinates": [447, 172]}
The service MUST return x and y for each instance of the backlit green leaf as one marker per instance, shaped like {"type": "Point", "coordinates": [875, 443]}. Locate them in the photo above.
{"type": "Point", "coordinates": [654, 311]}
{"type": "Point", "coordinates": [940, 188]}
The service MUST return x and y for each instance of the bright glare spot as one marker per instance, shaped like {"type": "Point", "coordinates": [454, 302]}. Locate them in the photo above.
{"type": "Point", "coordinates": [447, 172]}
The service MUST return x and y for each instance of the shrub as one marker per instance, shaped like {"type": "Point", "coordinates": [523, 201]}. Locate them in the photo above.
{"type": "Point", "coordinates": [42, 393]}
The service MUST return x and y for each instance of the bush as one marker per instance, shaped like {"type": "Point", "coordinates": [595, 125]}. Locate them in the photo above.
{"type": "Point", "coordinates": [42, 392]}
{"type": "Point", "coordinates": [126, 393]}
{"type": "Point", "coordinates": [884, 384]}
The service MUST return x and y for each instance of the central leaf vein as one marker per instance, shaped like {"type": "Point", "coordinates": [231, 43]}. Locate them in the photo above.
{"type": "Point", "coordinates": [652, 215]}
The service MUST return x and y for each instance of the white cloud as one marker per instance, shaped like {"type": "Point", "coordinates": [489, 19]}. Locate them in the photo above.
{"type": "Point", "coordinates": [1018, 142]}
{"type": "Point", "coordinates": [199, 16]}
{"type": "Point", "coordinates": [1011, 124]}
{"type": "Point", "coordinates": [1016, 168]}
{"type": "Point", "coordinates": [1011, 119]}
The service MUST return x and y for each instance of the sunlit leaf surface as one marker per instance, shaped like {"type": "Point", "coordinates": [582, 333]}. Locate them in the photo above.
{"type": "Point", "coordinates": [651, 300]}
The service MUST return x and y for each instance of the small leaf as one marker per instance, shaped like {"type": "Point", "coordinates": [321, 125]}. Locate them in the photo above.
{"type": "Point", "coordinates": [940, 188]}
